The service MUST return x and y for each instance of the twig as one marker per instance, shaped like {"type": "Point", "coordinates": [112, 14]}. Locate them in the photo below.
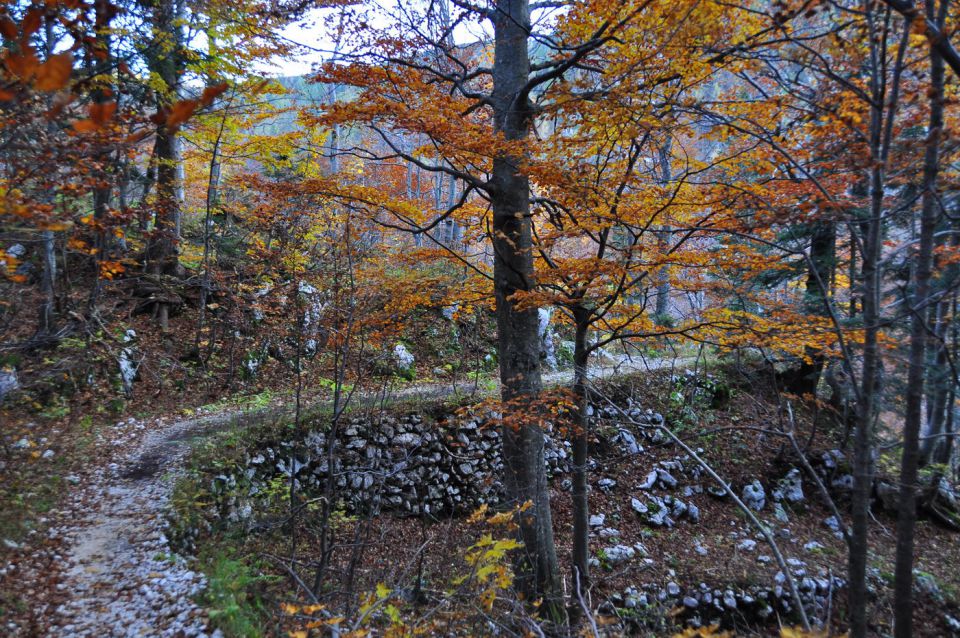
{"type": "Point", "coordinates": [586, 608]}
{"type": "Point", "coordinates": [295, 577]}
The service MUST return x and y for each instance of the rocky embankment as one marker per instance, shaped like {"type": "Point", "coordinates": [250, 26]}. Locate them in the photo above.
{"type": "Point", "coordinates": [404, 464]}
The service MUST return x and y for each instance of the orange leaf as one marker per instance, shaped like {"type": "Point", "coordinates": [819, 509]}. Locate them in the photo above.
{"type": "Point", "coordinates": [85, 126]}
{"type": "Point", "coordinates": [32, 21]}
{"type": "Point", "coordinates": [110, 269]}
{"type": "Point", "coordinates": [7, 28]}
{"type": "Point", "coordinates": [180, 113]}
{"type": "Point", "coordinates": [54, 74]}
{"type": "Point", "coordinates": [212, 92]}
{"type": "Point", "coordinates": [102, 112]}
{"type": "Point", "coordinates": [23, 65]}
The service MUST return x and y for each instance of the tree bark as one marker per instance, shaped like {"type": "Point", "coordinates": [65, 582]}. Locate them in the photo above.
{"type": "Point", "coordinates": [663, 241]}
{"type": "Point", "coordinates": [867, 406]}
{"type": "Point", "coordinates": [936, 445]}
{"type": "Point", "coordinates": [523, 440]}
{"type": "Point", "coordinates": [883, 107]}
{"type": "Point", "coordinates": [48, 277]}
{"type": "Point", "coordinates": [919, 335]}
{"type": "Point", "coordinates": [162, 251]}
{"type": "Point", "coordinates": [823, 238]}
{"type": "Point", "coordinates": [102, 160]}
{"type": "Point", "coordinates": [580, 502]}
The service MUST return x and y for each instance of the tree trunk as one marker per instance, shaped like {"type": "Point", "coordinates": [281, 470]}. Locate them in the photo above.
{"type": "Point", "coordinates": [869, 382]}
{"type": "Point", "coordinates": [213, 203]}
{"type": "Point", "coordinates": [823, 237]}
{"type": "Point", "coordinates": [525, 477]}
{"type": "Point", "coordinates": [663, 243]}
{"type": "Point", "coordinates": [48, 277]}
{"type": "Point", "coordinates": [941, 385]}
{"type": "Point", "coordinates": [580, 501]}
{"type": "Point", "coordinates": [883, 107]}
{"type": "Point", "coordinates": [907, 510]}
{"type": "Point", "coordinates": [163, 253]}
{"type": "Point", "coordinates": [162, 247]}
{"type": "Point", "coordinates": [866, 413]}
{"type": "Point", "coordinates": [48, 280]}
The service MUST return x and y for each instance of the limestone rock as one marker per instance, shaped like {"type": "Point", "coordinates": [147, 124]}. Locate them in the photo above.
{"type": "Point", "coordinates": [754, 496]}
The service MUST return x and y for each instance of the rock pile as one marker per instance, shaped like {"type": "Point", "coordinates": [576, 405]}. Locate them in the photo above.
{"type": "Point", "coordinates": [394, 463]}
{"type": "Point", "coordinates": [703, 605]}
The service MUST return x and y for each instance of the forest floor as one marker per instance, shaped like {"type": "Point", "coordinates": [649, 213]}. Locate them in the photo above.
{"type": "Point", "coordinates": [721, 551]}
{"type": "Point", "coordinates": [98, 563]}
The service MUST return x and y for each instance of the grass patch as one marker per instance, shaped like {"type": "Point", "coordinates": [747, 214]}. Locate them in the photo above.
{"type": "Point", "coordinates": [252, 401]}
{"type": "Point", "coordinates": [232, 597]}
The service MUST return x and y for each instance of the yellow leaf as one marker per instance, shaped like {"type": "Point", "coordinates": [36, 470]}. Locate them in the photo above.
{"type": "Point", "coordinates": [478, 514]}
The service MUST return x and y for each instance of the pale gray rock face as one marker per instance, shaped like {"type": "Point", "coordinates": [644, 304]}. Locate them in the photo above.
{"type": "Point", "coordinates": [129, 362]}
{"type": "Point", "coordinates": [843, 483]}
{"type": "Point", "coordinates": [649, 482]}
{"type": "Point", "coordinates": [619, 554]}
{"type": "Point", "coordinates": [832, 523]}
{"type": "Point", "coordinates": [9, 382]}
{"type": "Point", "coordinates": [606, 484]}
{"type": "Point", "coordinates": [754, 496]}
{"type": "Point", "coordinates": [790, 488]}
{"type": "Point", "coordinates": [628, 442]}
{"type": "Point", "coordinates": [403, 357]}
{"type": "Point", "coordinates": [547, 347]}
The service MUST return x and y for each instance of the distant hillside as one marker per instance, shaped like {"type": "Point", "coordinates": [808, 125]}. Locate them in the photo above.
{"type": "Point", "coordinates": [300, 92]}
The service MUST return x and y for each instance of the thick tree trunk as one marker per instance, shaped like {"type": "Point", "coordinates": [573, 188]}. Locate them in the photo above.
{"type": "Point", "coordinates": [519, 350]}
{"type": "Point", "coordinates": [162, 247]}
{"type": "Point", "coordinates": [823, 238]}
{"type": "Point", "coordinates": [163, 252]}
{"type": "Point", "coordinates": [919, 335]}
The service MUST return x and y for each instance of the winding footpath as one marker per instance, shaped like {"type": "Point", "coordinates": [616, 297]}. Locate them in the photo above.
{"type": "Point", "coordinates": [121, 576]}
{"type": "Point", "coordinates": [118, 574]}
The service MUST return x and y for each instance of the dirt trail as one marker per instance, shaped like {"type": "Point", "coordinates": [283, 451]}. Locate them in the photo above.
{"type": "Point", "coordinates": [122, 578]}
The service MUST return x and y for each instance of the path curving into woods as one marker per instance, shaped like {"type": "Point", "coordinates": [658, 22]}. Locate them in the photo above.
{"type": "Point", "coordinates": [118, 572]}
